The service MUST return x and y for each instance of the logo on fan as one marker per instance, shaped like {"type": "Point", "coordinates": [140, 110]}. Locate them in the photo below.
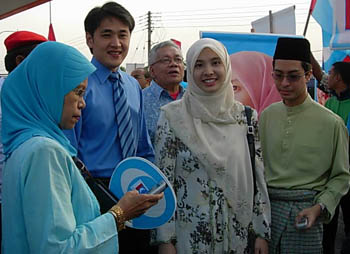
{"type": "Point", "coordinates": [140, 187]}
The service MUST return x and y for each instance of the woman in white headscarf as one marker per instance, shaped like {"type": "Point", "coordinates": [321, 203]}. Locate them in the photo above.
{"type": "Point", "coordinates": [201, 145]}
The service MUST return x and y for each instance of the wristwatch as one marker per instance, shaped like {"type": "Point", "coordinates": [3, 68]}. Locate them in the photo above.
{"type": "Point", "coordinates": [119, 217]}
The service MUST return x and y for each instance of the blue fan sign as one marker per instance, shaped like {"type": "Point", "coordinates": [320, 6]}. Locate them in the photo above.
{"type": "Point", "coordinates": [136, 173]}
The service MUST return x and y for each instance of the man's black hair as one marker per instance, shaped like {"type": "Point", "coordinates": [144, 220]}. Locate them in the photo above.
{"type": "Point", "coordinates": [110, 9]}
{"type": "Point", "coordinates": [343, 69]}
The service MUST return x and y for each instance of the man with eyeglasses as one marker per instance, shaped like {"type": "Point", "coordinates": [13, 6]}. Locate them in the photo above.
{"type": "Point", "coordinates": [305, 151]}
{"type": "Point", "coordinates": [167, 72]}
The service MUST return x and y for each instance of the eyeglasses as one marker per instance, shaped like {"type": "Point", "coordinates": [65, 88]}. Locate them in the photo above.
{"type": "Point", "coordinates": [79, 92]}
{"type": "Point", "coordinates": [168, 60]}
{"type": "Point", "coordinates": [290, 77]}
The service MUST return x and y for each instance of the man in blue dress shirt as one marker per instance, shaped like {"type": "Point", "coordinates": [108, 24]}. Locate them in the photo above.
{"type": "Point", "coordinates": [108, 31]}
{"type": "Point", "coordinates": [167, 72]}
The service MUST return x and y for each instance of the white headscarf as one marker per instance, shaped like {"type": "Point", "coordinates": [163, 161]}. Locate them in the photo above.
{"type": "Point", "coordinates": [208, 124]}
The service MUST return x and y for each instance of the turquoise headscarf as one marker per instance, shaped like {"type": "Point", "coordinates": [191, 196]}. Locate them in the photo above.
{"type": "Point", "coordinates": [32, 96]}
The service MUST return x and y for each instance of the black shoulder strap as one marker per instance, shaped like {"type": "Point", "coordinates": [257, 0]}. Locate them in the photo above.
{"type": "Point", "coordinates": [251, 142]}
{"type": "Point", "coordinates": [104, 196]}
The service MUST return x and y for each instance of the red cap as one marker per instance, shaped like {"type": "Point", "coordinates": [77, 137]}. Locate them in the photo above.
{"type": "Point", "coordinates": [22, 38]}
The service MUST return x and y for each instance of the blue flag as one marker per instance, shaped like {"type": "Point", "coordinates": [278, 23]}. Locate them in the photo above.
{"type": "Point", "coordinates": [334, 19]}
{"type": "Point", "coordinates": [236, 42]}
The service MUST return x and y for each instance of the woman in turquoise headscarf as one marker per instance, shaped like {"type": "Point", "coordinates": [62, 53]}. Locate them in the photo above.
{"type": "Point", "coordinates": [47, 206]}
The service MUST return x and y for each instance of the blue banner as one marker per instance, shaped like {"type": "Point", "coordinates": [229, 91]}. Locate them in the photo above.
{"type": "Point", "coordinates": [236, 42]}
{"type": "Point", "coordinates": [335, 35]}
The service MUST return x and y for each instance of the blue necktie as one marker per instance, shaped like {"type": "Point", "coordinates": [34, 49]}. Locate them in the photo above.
{"type": "Point", "coordinates": [123, 117]}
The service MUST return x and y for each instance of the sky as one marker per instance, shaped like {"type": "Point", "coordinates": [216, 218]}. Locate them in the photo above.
{"type": "Point", "coordinates": [181, 20]}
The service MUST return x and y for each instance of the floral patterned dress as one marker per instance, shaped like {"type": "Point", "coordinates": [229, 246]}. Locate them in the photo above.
{"type": "Point", "coordinates": [204, 222]}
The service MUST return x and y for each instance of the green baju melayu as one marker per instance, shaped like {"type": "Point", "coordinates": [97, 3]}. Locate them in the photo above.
{"type": "Point", "coordinates": [305, 148]}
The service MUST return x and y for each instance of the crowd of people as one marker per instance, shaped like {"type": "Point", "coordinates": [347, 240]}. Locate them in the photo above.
{"type": "Point", "coordinates": [257, 166]}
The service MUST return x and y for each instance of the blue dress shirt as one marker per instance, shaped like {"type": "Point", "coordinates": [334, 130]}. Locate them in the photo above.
{"type": "Point", "coordinates": [95, 136]}
{"type": "Point", "coordinates": [154, 98]}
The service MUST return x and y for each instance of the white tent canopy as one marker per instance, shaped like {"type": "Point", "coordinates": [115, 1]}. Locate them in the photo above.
{"type": "Point", "coordinates": [9, 8]}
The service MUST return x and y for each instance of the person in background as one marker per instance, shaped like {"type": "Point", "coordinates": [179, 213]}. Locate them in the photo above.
{"type": "Point", "coordinates": [142, 76]}
{"type": "Point", "coordinates": [201, 146]}
{"type": "Point", "coordinates": [305, 152]}
{"type": "Point", "coordinates": [320, 75]}
{"type": "Point", "coordinates": [323, 92]}
{"type": "Point", "coordinates": [252, 81]}
{"type": "Point", "coordinates": [18, 46]}
{"type": "Point", "coordinates": [112, 126]}
{"type": "Point", "coordinates": [167, 71]}
{"type": "Point", "coordinates": [47, 205]}
{"type": "Point", "coordinates": [338, 82]}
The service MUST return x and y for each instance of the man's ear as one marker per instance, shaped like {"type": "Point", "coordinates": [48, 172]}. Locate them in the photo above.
{"type": "Point", "coordinates": [19, 59]}
{"type": "Point", "coordinates": [151, 72]}
{"type": "Point", "coordinates": [89, 39]}
{"type": "Point", "coordinates": [308, 75]}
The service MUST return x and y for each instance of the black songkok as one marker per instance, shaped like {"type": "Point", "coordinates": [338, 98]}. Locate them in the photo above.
{"type": "Point", "coordinates": [293, 49]}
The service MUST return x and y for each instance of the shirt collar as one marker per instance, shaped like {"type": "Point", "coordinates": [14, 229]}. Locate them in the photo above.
{"type": "Point", "coordinates": [157, 90]}
{"type": "Point", "coordinates": [343, 95]}
{"type": "Point", "coordinates": [102, 72]}
{"type": "Point", "coordinates": [301, 107]}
